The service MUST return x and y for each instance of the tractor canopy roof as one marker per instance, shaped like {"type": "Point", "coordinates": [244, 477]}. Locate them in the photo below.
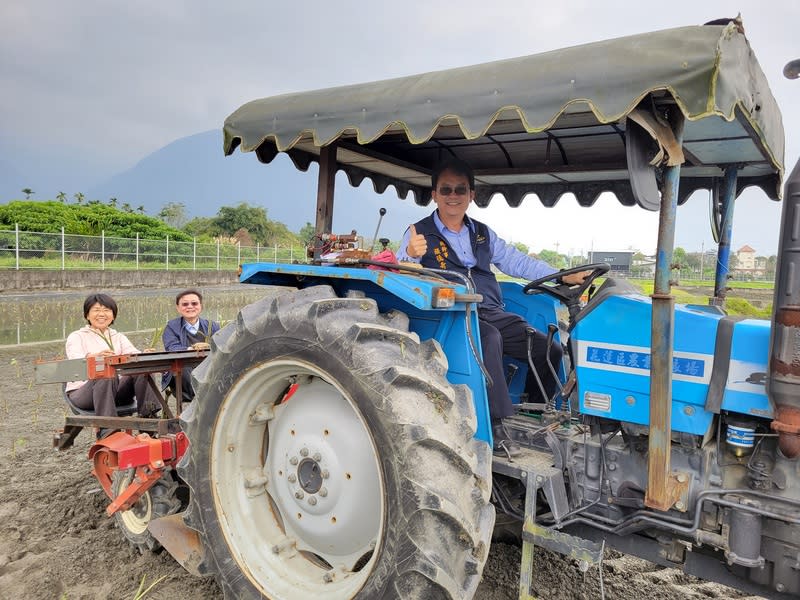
{"type": "Point", "coordinates": [546, 124]}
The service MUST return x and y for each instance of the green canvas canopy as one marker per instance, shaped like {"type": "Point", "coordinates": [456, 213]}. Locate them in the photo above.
{"type": "Point", "coordinates": [545, 124]}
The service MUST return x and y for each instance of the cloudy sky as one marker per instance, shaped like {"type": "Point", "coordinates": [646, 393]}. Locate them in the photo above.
{"type": "Point", "coordinates": [95, 85]}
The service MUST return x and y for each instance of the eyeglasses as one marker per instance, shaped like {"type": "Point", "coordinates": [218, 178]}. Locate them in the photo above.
{"type": "Point", "coordinates": [446, 190]}
{"type": "Point", "coordinates": [100, 309]}
{"type": "Point", "coordinates": [190, 304]}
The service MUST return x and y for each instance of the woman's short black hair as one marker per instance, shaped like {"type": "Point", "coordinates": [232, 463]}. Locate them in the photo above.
{"type": "Point", "coordinates": [454, 165]}
{"type": "Point", "coordinates": [102, 300]}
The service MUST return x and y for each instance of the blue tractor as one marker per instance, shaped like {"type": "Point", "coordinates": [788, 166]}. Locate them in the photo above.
{"type": "Point", "coordinates": [340, 446]}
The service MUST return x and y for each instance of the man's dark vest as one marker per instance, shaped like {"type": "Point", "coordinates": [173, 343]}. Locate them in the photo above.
{"type": "Point", "coordinates": [193, 338]}
{"type": "Point", "coordinates": [441, 256]}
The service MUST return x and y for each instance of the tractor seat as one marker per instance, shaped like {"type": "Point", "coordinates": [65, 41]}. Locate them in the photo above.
{"type": "Point", "coordinates": [124, 410]}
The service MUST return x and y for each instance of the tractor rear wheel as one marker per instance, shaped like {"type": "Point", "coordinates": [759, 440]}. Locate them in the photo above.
{"type": "Point", "coordinates": [330, 458]}
{"type": "Point", "coordinates": [160, 500]}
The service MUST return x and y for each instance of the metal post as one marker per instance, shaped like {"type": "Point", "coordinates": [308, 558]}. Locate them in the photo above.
{"type": "Point", "coordinates": [137, 251]}
{"type": "Point", "coordinates": [728, 194]}
{"type": "Point", "coordinates": [16, 242]}
{"type": "Point", "coordinates": [238, 252]}
{"type": "Point", "coordinates": [258, 252]}
{"type": "Point", "coordinates": [194, 254]}
{"type": "Point", "coordinates": [103, 250]}
{"type": "Point", "coordinates": [702, 252]}
{"type": "Point", "coordinates": [291, 253]}
{"type": "Point", "coordinates": [275, 254]}
{"type": "Point", "coordinates": [662, 488]}
{"type": "Point", "coordinates": [325, 187]}
{"type": "Point", "coordinates": [217, 254]}
{"type": "Point", "coordinates": [62, 250]}
{"type": "Point", "coordinates": [167, 253]}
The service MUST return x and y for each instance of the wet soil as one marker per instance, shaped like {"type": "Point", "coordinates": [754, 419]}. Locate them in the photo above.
{"type": "Point", "coordinates": [57, 543]}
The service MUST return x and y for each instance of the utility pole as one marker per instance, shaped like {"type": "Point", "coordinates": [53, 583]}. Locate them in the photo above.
{"type": "Point", "coordinates": [702, 256]}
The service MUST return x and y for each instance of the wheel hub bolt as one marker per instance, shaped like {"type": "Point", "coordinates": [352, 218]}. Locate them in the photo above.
{"type": "Point", "coordinates": [299, 494]}
{"type": "Point", "coordinates": [325, 474]}
{"type": "Point", "coordinates": [317, 456]}
{"type": "Point", "coordinates": [312, 501]}
{"type": "Point", "coordinates": [293, 460]}
{"type": "Point", "coordinates": [292, 478]}
{"type": "Point", "coordinates": [323, 492]}
{"type": "Point", "coordinates": [304, 452]}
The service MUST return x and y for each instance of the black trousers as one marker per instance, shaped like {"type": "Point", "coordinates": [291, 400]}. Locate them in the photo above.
{"type": "Point", "coordinates": [506, 333]}
{"type": "Point", "coordinates": [104, 395]}
{"type": "Point", "coordinates": [186, 384]}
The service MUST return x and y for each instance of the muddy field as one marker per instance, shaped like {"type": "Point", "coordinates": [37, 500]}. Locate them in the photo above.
{"type": "Point", "coordinates": [759, 298]}
{"type": "Point", "coordinates": [56, 542]}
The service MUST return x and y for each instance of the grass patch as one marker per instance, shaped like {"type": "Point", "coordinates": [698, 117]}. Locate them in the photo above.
{"type": "Point", "coordinates": [733, 305]}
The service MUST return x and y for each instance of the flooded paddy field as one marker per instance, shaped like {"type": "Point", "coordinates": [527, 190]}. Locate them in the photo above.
{"type": "Point", "coordinates": [52, 316]}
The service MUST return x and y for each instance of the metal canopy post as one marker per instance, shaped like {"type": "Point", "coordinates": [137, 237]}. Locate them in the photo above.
{"type": "Point", "coordinates": [662, 489]}
{"type": "Point", "coordinates": [325, 187]}
{"type": "Point", "coordinates": [725, 230]}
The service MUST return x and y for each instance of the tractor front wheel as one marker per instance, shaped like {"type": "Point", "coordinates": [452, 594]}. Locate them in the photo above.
{"type": "Point", "coordinates": [330, 458]}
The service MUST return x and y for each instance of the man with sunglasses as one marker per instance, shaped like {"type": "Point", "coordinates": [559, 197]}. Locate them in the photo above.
{"type": "Point", "coordinates": [449, 239]}
{"type": "Point", "coordinates": [186, 332]}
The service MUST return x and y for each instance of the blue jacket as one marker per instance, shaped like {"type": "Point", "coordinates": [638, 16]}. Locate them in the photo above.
{"type": "Point", "coordinates": [175, 337]}
{"type": "Point", "coordinates": [175, 334]}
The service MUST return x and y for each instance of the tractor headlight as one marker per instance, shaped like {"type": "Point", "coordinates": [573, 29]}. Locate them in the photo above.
{"type": "Point", "coordinates": [443, 297]}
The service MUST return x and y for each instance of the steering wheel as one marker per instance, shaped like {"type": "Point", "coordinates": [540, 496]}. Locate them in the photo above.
{"type": "Point", "coordinates": [568, 294]}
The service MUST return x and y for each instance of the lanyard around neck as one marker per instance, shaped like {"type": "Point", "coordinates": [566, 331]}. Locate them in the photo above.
{"type": "Point", "coordinates": [107, 340]}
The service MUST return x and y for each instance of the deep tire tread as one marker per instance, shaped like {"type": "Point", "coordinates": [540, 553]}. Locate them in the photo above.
{"type": "Point", "coordinates": [443, 472]}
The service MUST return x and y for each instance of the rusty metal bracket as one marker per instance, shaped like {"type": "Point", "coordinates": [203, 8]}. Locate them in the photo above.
{"type": "Point", "coordinates": [182, 542]}
{"type": "Point", "coordinates": [540, 470]}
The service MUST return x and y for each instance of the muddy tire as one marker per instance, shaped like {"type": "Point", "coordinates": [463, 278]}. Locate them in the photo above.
{"type": "Point", "coordinates": [160, 500]}
{"type": "Point", "coordinates": [330, 458]}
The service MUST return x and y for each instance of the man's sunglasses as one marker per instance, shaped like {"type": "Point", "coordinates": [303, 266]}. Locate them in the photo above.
{"type": "Point", "coordinates": [446, 190]}
{"type": "Point", "coordinates": [190, 304]}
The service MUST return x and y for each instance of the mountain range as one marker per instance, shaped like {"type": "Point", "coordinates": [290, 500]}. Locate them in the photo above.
{"type": "Point", "coordinates": [194, 171]}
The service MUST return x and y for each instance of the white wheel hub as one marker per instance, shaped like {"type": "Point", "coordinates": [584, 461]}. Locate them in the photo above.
{"type": "Point", "coordinates": [298, 484]}
{"type": "Point", "coordinates": [323, 475]}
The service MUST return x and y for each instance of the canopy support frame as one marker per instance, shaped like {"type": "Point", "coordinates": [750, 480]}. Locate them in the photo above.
{"type": "Point", "coordinates": [663, 487]}
{"type": "Point", "coordinates": [727, 200]}
{"type": "Point", "coordinates": [325, 189]}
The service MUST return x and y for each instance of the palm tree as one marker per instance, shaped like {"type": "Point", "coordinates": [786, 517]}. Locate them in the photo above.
{"type": "Point", "coordinates": [127, 207]}
{"type": "Point", "coordinates": [140, 209]}
{"type": "Point", "coordinates": [79, 197]}
{"type": "Point", "coordinates": [27, 192]}
{"type": "Point", "coordinates": [61, 197]}
{"type": "Point", "coordinates": [112, 202]}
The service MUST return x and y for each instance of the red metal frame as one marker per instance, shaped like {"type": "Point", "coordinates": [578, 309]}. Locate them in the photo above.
{"type": "Point", "coordinates": [149, 456]}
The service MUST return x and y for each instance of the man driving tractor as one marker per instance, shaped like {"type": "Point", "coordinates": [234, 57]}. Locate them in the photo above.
{"type": "Point", "coordinates": [449, 239]}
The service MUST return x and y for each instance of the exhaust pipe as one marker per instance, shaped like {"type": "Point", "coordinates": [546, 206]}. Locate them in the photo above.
{"type": "Point", "coordinates": [783, 385]}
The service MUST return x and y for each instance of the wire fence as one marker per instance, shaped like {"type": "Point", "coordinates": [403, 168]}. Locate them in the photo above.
{"type": "Point", "coordinates": [36, 250]}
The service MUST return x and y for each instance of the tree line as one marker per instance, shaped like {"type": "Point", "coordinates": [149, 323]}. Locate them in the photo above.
{"type": "Point", "coordinates": [242, 223]}
{"type": "Point", "coordinates": [249, 225]}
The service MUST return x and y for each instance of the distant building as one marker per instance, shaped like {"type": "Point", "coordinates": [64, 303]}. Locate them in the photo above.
{"type": "Point", "coordinates": [619, 261]}
{"type": "Point", "coordinates": [644, 267]}
{"type": "Point", "coordinates": [748, 264]}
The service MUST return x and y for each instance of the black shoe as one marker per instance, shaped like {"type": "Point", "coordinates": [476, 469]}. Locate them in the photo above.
{"type": "Point", "coordinates": [503, 445]}
{"type": "Point", "coordinates": [150, 410]}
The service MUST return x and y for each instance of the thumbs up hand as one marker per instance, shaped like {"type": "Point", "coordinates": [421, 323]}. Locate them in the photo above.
{"type": "Point", "coordinates": [417, 246]}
